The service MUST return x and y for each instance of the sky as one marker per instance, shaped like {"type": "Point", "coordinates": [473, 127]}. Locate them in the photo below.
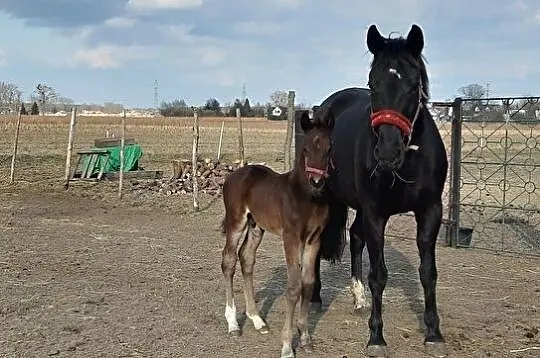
{"type": "Point", "coordinates": [96, 51]}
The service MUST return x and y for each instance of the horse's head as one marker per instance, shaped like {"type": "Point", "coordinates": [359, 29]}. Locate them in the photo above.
{"type": "Point", "coordinates": [398, 83]}
{"type": "Point", "coordinates": [314, 161]}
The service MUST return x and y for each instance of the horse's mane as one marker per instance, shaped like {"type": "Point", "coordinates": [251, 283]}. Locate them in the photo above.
{"type": "Point", "coordinates": [396, 48]}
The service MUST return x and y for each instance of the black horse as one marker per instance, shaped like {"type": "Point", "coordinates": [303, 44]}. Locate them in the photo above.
{"type": "Point", "coordinates": [388, 158]}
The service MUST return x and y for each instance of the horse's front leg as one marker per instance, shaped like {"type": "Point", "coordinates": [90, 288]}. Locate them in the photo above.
{"type": "Point", "coordinates": [373, 230]}
{"type": "Point", "coordinates": [356, 246]}
{"type": "Point", "coordinates": [309, 261]}
{"type": "Point", "coordinates": [428, 224]}
{"type": "Point", "coordinates": [292, 246]}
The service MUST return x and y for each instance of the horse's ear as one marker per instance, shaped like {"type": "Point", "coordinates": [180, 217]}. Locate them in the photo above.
{"type": "Point", "coordinates": [415, 40]}
{"type": "Point", "coordinates": [305, 121]}
{"type": "Point", "coordinates": [375, 41]}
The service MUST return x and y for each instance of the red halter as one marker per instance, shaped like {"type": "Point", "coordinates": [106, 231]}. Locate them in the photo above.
{"type": "Point", "coordinates": [389, 116]}
{"type": "Point", "coordinates": [316, 171]}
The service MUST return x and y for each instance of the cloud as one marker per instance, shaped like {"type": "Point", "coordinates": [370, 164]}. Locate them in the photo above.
{"type": "Point", "coordinates": [3, 58]}
{"type": "Point", "coordinates": [62, 13]}
{"type": "Point", "coordinates": [289, 3]}
{"type": "Point", "coordinates": [212, 56]}
{"type": "Point", "coordinates": [148, 5]}
{"type": "Point", "coordinates": [120, 22]}
{"type": "Point", "coordinates": [108, 56]}
{"type": "Point", "coordinates": [257, 28]}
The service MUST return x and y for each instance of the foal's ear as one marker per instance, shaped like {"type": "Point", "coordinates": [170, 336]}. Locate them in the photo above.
{"type": "Point", "coordinates": [415, 40]}
{"type": "Point", "coordinates": [375, 41]}
{"type": "Point", "coordinates": [330, 119]}
{"type": "Point", "coordinates": [305, 121]}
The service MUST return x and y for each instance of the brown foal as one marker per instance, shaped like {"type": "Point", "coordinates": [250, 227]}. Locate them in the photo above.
{"type": "Point", "coordinates": [291, 205]}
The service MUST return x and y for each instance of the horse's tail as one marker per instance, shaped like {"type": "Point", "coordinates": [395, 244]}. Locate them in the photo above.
{"type": "Point", "coordinates": [333, 237]}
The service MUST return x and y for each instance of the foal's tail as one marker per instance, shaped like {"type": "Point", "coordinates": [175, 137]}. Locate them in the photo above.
{"type": "Point", "coordinates": [333, 237]}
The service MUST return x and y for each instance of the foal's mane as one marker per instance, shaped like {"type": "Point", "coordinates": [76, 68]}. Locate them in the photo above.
{"type": "Point", "coordinates": [396, 49]}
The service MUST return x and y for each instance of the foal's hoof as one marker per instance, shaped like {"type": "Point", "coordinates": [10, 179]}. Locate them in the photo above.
{"type": "Point", "coordinates": [263, 330]}
{"type": "Point", "coordinates": [316, 307]}
{"type": "Point", "coordinates": [377, 351]}
{"type": "Point", "coordinates": [308, 347]}
{"type": "Point", "coordinates": [361, 311]}
{"type": "Point", "coordinates": [234, 333]}
{"type": "Point", "coordinates": [287, 352]}
{"type": "Point", "coordinates": [436, 349]}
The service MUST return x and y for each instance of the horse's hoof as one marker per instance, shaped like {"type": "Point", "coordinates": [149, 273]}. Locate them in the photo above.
{"type": "Point", "coordinates": [234, 333]}
{"type": "Point", "coordinates": [436, 349]}
{"type": "Point", "coordinates": [316, 307]}
{"type": "Point", "coordinates": [377, 351]}
{"type": "Point", "coordinates": [263, 330]}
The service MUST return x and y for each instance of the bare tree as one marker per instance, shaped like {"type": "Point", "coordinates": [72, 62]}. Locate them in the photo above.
{"type": "Point", "coordinates": [10, 97]}
{"type": "Point", "coordinates": [473, 91]}
{"type": "Point", "coordinates": [279, 98]}
{"type": "Point", "coordinates": [46, 96]}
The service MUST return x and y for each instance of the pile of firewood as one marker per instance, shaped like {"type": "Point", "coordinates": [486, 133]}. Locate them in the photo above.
{"type": "Point", "coordinates": [210, 178]}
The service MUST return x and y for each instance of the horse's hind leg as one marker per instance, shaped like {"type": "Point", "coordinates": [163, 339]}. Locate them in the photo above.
{"type": "Point", "coordinates": [356, 245]}
{"type": "Point", "coordinates": [309, 260]}
{"type": "Point", "coordinates": [247, 254]}
{"type": "Point", "coordinates": [236, 230]}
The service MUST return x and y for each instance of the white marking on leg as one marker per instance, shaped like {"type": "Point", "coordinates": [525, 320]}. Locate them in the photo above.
{"type": "Point", "coordinates": [395, 72]}
{"type": "Point", "coordinates": [230, 316]}
{"type": "Point", "coordinates": [287, 351]}
{"type": "Point", "coordinates": [258, 322]}
{"type": "Point", "coordinates": [359, 293]}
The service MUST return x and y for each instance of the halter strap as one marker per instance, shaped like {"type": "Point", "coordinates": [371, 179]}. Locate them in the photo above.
{"type": "Point", "coordinates": [312, 170]}
{"type": "Point", "coordinates": [392, 117]}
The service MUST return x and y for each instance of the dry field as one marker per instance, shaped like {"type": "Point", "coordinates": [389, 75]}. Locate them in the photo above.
{"type": "Point", "coordinates": [86, 275]}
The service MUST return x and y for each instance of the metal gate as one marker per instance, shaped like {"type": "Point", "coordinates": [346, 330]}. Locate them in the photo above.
{"type": "Point", "coordinates": [495, 202]}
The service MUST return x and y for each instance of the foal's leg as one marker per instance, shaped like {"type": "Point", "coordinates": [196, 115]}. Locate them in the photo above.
{"type": "Point", "coordinates": [236, 230]}
{"type": "Point", "coordinates": [316, 301]}
{"type": "Point", "coordinates": [428, 223]}
{"type": "Point", "coordinates": [309, 261]}
{"type": "Point", "coordinates": [292, 247]}
{"type": "Point", "coordinates": [247, 254]}
{"type": "Point", "coordinates": [373, 229]}
{"type": "Point", "coordinates": [356, 245]}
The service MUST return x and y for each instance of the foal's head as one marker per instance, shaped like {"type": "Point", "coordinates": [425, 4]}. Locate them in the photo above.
{"type": "Point", "coordinates": [399, 88]}
{"type": "Point", "coordinates": [314, 161]}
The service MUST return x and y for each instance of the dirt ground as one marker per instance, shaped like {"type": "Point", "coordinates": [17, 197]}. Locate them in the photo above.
{"type": "Point", "coordinates": [83, 275]}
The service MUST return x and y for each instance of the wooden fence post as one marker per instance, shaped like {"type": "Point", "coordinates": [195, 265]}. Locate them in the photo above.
{"type": "Point", "coordinates": [290, 129]}
{"type": "Point", "coordinates": [194, 160]}
{"type": "Point", "coordinates": [122, 147]}
{"type": "Point", "coordinates": [70, 144]}
{"type": "Point", "coordinates": [220, 141]}
{"type": "Point", "coordinates": [240, 137]}
{"type": "Point", "coordinates": [15, 145]}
